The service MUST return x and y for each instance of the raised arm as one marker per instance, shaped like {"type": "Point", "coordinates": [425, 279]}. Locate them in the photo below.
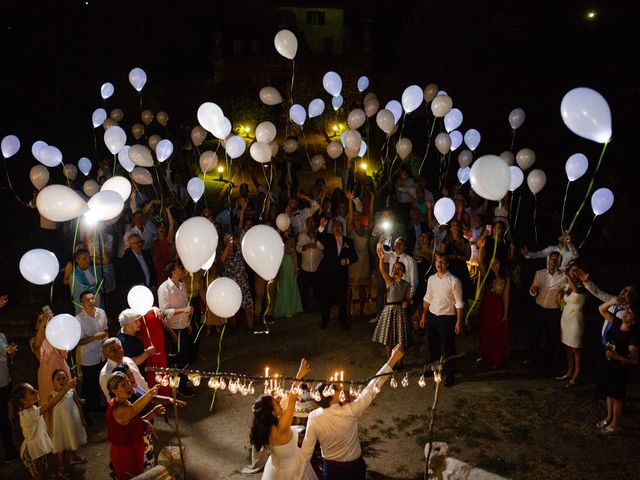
{"type": "Point", "coordinates": [124, 414]}
{"type": "Point", "coordinates": [54, 399]}
{"type": "Point", "coordinates": [604, 309]}
{"type": "Point", "coordinates": [284, 423]}
{"type": "Point", "coordinates": [383, 270]}
{"type": "Point", "coordinates": [171, 231]}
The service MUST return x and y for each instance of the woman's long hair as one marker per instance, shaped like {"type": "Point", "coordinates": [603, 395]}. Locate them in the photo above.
{"type": "Point", "coordinates": [263, 420]}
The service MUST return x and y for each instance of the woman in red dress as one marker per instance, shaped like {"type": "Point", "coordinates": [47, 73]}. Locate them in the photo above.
{"type": "Point", "coordinates": [152, 333]}
{"type": "Point", "coordinates": [162, 249]}
{"type": "Point", "coordinates": [493, 325]}
{"type": "Point", "coordinates": [125, 426]}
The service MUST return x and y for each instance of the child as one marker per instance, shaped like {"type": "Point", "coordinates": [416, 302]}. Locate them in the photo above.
{"type": "Point", "coordinates": [37, 443]}
{"type": "Point", "coordinates": [391, 328]}
{"type": "Point", "coordinates": [67, 424]}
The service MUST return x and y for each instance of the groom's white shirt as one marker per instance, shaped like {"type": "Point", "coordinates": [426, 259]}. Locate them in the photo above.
{"type": "Point", "coordinates": [336, 427]}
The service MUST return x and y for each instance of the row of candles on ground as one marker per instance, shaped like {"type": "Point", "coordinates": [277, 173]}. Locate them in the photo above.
{"type": "Point", "coordinates": [275, 386]}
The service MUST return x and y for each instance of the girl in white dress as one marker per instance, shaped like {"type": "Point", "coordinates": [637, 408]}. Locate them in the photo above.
{"type": "Point", "coordinates": [572, 301]}
{"type": "Point", "coordinates": [67, 424]}
{"type": "Point", "coordinates": [271, 429]}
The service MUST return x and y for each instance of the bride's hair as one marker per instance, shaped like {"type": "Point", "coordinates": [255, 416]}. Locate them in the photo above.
{"type": "Point", "coordinates": [263, 420]}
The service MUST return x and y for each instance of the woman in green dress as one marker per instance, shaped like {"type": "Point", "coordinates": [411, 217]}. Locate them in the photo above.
{"type": "Point", "coordinates": [288, 301]}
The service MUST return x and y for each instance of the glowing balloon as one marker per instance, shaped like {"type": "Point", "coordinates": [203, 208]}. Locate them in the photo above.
{"type": "Point", "coordinates": [586, 113]}
{"type": "Point", "coordinates": [394, 107]}
{"type": "Point", "coordinates": [453, 119]}
{"type": "Point", "coordinates": [10, 146]}
{"type": "Point", "coordinates": [283, 222]}
{"type": "Point", "coordinates": [37, 147]}
{"type": "Point", "coordinates": [601, 201]}
{"type": "Point", "coordinates": [262, 249]}
{"type": "Point", "coordinates": [124, 160]}
{"type": "Point", "coordinates": [164, 149]}
{"type": "Point", "coordinates": [84, 164]}
{"type": "Point", "coordinates": [195, 188]}
{"type": "Point", "coordinates": [362, 84]}
{"type": "Point", "coordinates": [106, 205]}
{"type": "Point", "coordinates": [137, 78]}
{"type": "Point", "coordinates": [63, 332]}
{"type": "Point", "coordinates": [270, 96]}
{"type": "Point", "coordinates": [576, 166]}
{"type": "Point", "coordinates": [316, 107]}
{"type": "Point", "coordinates": [334, 149]}
{"type": "Point", "coordinates": [356, 118]}
{"type": "Point", "coordinates": [141, 176]}
{"type": "Point", "coordinates": [222, 129]}
{"type": "Point", "coordinates": [456, 139]}
{"type": "Point", "coordinates": [490, 177]}
{"type": "Point", "coordinates": [508, 157]}
{"type": "Point", "coordinates": [260, 152]}
{"type": "Point", "coordinates": [443, 143]}
{"type": "Point", "coordinates": [463, 175]}
{"type": "Point", "coordinates": [115, 138]}
{"type": "Point", "coordinates": [517, 177]}
{"type": "Point", "coordinates": [516, 118]}
{"type": "Point", "coordinates": [120, 185]}
{"type": "Point", "coordinates": [98, 117]}
{"type": "Point", "coordinates": [297, 114]}
{"type": "Point", "coordinates": [412, 98]}
{"type": "Point", "coordinates": [235, 146]}
{"type": "Point", "coordinates": [59, 203]}
{"type": "Point", "coordinates": [50, 156]}
{"type": "Point", "coordinates": [39, 266]}
{"type": "Point", "coordinates": [39, 176]}
{"type": "Point", "coordinates": [336, 102]}
{"type": "Point", "coordinates": [286, 44]}
{"type": "Point", "coordinates": [332, 83]}
{"type": "Point", "coordinates": [525, 158]}
{"type": "Point", "coordinates": [209, 115]}
{"type": "Point", "coordinates": [465, 157]}
{"type": "Point", "coordinates": [444, 210]}
{"type": "Point", "coordinates": [536, 180]}
{"type": "Point", "coordinates": [140, 299]}
{"type": "Point", "coordinates": [265, 132]}
{"type": "Point", "coordinates": [441, 105]}
{"type": "Point", "coordinates": [472, 139]}
{"type": "Point", "coordinates": [385, 121]}
{"type": "Point", "coordinates": [196, 240]}
{"type": "Point", "coordinates": [140, 155]}
{"type": "Point", "coordinates": [224, 297]}
{"type": "Point", "coordinates": [208, 161]}
{"type": "Point", "coordinates": [90, 187]}
{"type": "Point", "coordinates": [106, 90]}
{"type": "Point", "coordinates": [403, 148]}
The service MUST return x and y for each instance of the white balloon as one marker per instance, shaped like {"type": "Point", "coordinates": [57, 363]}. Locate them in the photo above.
{"type": "Point", "coordinates": [472, 139]}
{"type": "Point", "coordinates": [297, 114]}
{"type": "Point", "coordinates": [525, 158]}
{"type": "Point", "coordinates": [50, 156]}
{"type": "Point", "coordinates": [90, 187]}
{"type": "Point", "coordinates": [106, 90]}
{"type": "Point", "coordinates": [106, 205]}
{"type": "Point", "coordinates": [209, 115]}
{"type": "Point", "coordinates": [444, 210]}
{"type": "Point", "coordinates": [403, 148]}
{"type": "Point", "coordinates": [286, 44]}
{"type": "Point", "coordinates": [441, 105]}
{"type": "Point", "coordinates": [98, 117]}
{"type": "Point", "coordinates": [273, 145]}
{"type": "Point", "coordinates": [59, 203]}
{"type": "Point", "coordinates": [265, 132]}
{"type": "Point", "coordinates": [195, 188]}
{"type": "Point", "coordinates": [316, 107]}
{"type": "Point", "coordinates": [536, 180]}
{"type": "Point", "coordinates": [362, 84]}
{"type": "Point", "coordinates": [442, 93]}
{"type": "Point", "coordinates": [517, 177]}
{"type": "Point", "coordinates": [118, 184]}
{"type": "Point", "coordinates": [465, 157]}
{"type": "Point", "coordinates": [356, 118]}
{"type": "Point", "coordinates": [317, 163]}
{"type": "Point", "coordinates": [164, 149]}
{"type": "Point", "coordinates": [39, 266]}
{"type": "Point", "coordinates": [385, 120]}
{"type": "Point", "coordinates": [115, 138]}
{"type": "Point", "coordinates": [332, 83]}
{"type": "Point", "coordinates": [224, 297]}
{"type": "Point", "coordinates": [490, 177]}
{"type": "Point", "coordinates": [70, 171]}
{"type": "Point", "coordinates": [394, 107]}
{"type": "Point", "coordinates": [334, 149]}
{"type": "Point", "coordinates": [208, 161]}
{"type": "Point", "coordinates": [209, 263]}
{"type": "Point", "coordinates": [283, 222]}
{"type": "Point", "coordinates": [576, 166]}
{"type": "Point", "coordinates": [37, 147]}
{"type": "Point", "coordinates": [63, 332]}
{"type": "Point", "coordinates": [260, 152]}
{"type": "Point", "coordinates": [137, 78]}
{"type": "Point", "coordinates": [290, 145]}
{"type": "Point", "coordinates": [140, 155]}
{"type": "Point", "coordinates": [411, 98]}
{"type": "Point", "coordinates": [351, 139]}
{"type": "Point", "coordinates": [601, 201]}
{"type": "Point", "coordinates": [453, 119]}
{"type": "Point", "coordinates": [456, 139]}
{"type": "Point", "coordinates": [222, 129]}
{"type": "Point", "coordinates": [336, 102]}
{"type": "Point", "coordinates": [586, 113]}
{"type": "Point", "coordinates": [39, 175]}
{"type": "Point", "coordinates": [84, 164]}
{"type": "Point", "coordinates": [371, 107]}
{"type": "Point", "coordinates": [463, 175]}
{"type": "Point", "coordinates": [508, 157]}
{"type": "Point", "coordinates": [140, 299]}
{"type": "Point", "coordinates": [363, 149]}
{"type": "Point", "coordinates": [262, 249]}
{"type": "Point", "coordinates": [141, 176]}
{"type": "Point", "coordinates": [124, 160]}
{"type": "Point", "coordinates": [196, 240]}
{"type": "Point", "coordinates": [443, 143]}
{"type": "Point", "coordinates": [10, 146]}
{"type": "Point", "coordinates": [235, 146]}
{"type": "Point", "coordinates": [516, 118]}
{"type": "Point", "coordinates": [269, 96]}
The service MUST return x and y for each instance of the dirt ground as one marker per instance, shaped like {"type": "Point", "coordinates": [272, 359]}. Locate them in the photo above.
{"type": "Point", "coordinates": [511, 421]}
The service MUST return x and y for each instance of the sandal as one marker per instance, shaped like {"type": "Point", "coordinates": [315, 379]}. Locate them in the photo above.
{"type": "Point", "coordinates": [610, 431]}
{"type": "Point", "coordinates": [603, 423]}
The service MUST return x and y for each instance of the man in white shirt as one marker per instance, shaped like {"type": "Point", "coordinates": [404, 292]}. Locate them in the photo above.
{"type": "Point", "coordinates": [399, 254]}
{"type": "Point", "coordinates": [113, 352]}
{"type": "Point", "coordinates": [545, 324]}
{"type": "Point", "coordinates": [335, 426]}
{"type": "Point", "coordinates": [311, 250]}
{"type": "Point", "coordinates": [442, 315]}
{"type": "Point", "coordinates": [299, 216]}
{"type": "Point", "coordinates": [565, 248]}
{"type": "Point", "coordinates": [93, 330]}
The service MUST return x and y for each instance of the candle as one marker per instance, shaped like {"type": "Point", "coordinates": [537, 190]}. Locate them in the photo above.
{"type": "Point", "coordinates": [341, 376]}
{"type": "Point", "coordinates": [336, 376]}
{"type": "Point", "coordinates": [266, 372]}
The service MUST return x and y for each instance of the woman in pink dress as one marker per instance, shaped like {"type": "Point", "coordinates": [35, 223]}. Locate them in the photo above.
{"type": "Point", "coordinates": [493, 325]}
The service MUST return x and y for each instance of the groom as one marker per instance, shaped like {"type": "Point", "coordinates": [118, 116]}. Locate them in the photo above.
{"type": "Point", "coordinates": [335, 426]}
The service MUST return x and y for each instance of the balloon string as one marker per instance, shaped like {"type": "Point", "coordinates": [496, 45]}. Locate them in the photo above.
{"type": "Point", "coordinates": [588, 232]}
{"type": "Point", "coordinates": [564, 202]}
{"type": "Point", "coordinates": [515, 223]}
{"type": "Point", "coordinates": [51, 293]}
{"type": "Point", "coordinates": [575, 217]}
{"type": "Point", "coordinates": [293, 76]}
{"type": "Point", "coordinates": [95, 142]}
{"type": "Point", "coordinates": [433, 125]}
{"type": "Point", "coordinates": [306, 148]}
{"type": "Point", "coordinates": [513, 138]}
{"type": "Point", "coordinates": [213, 398]}
{"type": "Point", "coordinates": [535, 214]}
{"type": "Point", "coordinates": [264, 313]}
{"type": "Point", "coordinates": [484, 278]}
{"type": "Point", "coordinates": [9, 182]}
{"type": "Point", "coordinates": [73, 256]}
{"type": "Point", "coordinates": [144, 320]}
{"type": "Point", "coordinates": [160, 187]}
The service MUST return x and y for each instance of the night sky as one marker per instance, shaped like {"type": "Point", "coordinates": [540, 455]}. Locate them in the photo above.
{"type": "Point", "coordinates": [489, 56]}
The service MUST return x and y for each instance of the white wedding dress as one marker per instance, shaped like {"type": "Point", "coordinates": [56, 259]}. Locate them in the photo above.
{"type": "Point", "coordinates": [572, 321]}
{"type": "Point", "coordinates": [283, 462]}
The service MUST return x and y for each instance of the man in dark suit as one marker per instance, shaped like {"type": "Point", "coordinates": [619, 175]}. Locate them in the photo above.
{"type": "Point", "coordinates": [136, 266]}
{"type": "Point", "coordinates": [415, 229]}
{"type": "Point", "coordinates": [333, 271]}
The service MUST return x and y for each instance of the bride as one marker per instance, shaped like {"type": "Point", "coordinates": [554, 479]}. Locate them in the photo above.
{"type": "Point", "coordinates": [271, 429]}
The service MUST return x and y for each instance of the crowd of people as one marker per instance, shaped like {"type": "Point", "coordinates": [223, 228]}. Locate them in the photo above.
{"type": "Point", "coordinates": [368, 239]}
